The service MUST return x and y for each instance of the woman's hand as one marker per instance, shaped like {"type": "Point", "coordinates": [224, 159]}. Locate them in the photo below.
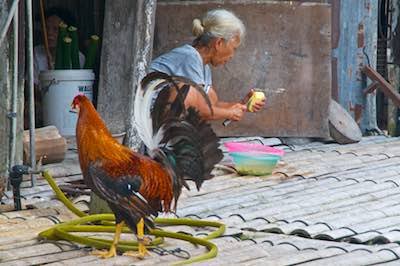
{"type": "Point", "coordinates": [258, 105]}
{"type": "Point", "coordinates": [237, 111]}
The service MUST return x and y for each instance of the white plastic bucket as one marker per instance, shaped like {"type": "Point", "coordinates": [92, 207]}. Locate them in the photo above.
{"type": "Point", "coordinates": [59, 87]}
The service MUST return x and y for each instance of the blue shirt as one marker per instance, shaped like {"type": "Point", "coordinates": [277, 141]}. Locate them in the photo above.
{"type": "Point", "coordinates": [184, 61]}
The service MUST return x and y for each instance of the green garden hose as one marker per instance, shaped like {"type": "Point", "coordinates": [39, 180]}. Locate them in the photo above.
{"type": "Point", "coordinates": [106, 223]}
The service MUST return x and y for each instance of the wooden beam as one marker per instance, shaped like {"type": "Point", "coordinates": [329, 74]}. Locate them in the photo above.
{"type": "Point", "coordinates": [385, 86]}
{"type": "Point", "coordinates": [373, 86]}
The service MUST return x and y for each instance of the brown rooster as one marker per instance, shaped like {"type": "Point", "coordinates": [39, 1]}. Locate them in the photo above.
{"type": "Point", "coordinates": [181, 147]}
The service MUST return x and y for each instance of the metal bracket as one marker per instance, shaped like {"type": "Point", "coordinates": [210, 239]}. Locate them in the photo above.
{"type": "Point", "coordinates": [12, 115]}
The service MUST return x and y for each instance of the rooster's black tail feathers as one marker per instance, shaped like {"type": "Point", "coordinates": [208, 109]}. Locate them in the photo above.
{"type": "Point", "coordinates": [184, 143]}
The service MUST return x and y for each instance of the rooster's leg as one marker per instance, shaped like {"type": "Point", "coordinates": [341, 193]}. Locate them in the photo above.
{"type": "Point", "coordinates": [104, 254]}
{"type": "Point", "coordinates": [142, 241]}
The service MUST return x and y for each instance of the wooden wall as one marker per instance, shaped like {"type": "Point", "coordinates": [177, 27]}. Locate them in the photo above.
{"type": "Point", "coordinates": [356, 46]}
{"type": "Point", "coordinates": [287, 45]}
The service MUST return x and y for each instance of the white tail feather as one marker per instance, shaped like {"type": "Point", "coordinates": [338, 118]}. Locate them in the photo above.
{"type": "Point", "coordinates": [142, 111]}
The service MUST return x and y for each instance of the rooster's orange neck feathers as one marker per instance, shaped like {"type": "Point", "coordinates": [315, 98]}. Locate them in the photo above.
{"type": "Point", "coordinates": [94, 140]}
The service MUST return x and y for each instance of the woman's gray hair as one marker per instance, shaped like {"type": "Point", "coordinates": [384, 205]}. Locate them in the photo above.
{"type": "Point", "coordinates": [219, 23]}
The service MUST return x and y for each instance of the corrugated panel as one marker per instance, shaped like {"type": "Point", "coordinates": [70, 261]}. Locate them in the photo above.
{"type": "Point", "coordinates": [350, 195]}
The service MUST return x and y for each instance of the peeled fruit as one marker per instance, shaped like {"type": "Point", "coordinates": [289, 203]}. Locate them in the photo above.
{"type": "Point", "coordinates": [256, 97]}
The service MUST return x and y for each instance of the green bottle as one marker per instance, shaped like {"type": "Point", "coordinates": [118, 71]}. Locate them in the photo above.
{"type": "Point", "coordinates": [67, 53]}
{"type": "Point", "coordinates": [73, 33]}
{"type": "Point", "coordinates": [62, 33]}
{"type": "Point", "coordinates": [92, 51]}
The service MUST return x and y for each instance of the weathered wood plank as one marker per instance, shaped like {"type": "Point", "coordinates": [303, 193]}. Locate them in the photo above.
{"type": "Point", "coordinates": [49, 145]}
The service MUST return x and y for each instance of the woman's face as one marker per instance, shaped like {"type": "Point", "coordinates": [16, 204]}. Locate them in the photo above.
{"type": "Point", "coordinates": [224, 50]}
{"type": "Point", "coordinates": [52, 23]}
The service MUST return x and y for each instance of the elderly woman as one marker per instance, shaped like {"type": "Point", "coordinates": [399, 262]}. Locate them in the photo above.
{"type": "Point", "coordinates": [218, 35]}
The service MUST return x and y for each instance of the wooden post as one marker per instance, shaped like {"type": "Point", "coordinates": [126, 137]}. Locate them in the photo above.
{"type": "Point", "coordinates": [6, 93]}
{"type": "Point", "coordinates": [4, 100]}
{"type": "Point", "coordinates": [125, 54]}
{"type": "Point", "coordinates": [393, 123]}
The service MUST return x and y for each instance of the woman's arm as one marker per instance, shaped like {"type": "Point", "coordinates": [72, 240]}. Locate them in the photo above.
{"type": "Point", "coordinates": [221, 110]}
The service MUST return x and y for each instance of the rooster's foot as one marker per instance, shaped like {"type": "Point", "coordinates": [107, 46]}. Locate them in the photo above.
{"type": "Point", "coordinates": [142, 251]}
{"type": "Point", "coordinates": [137, 254]}
{"type": "Point", "coordinates": [105, 254]}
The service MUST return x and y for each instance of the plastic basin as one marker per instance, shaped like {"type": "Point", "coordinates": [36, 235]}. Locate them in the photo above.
{"type": "Point", "coordinates": [252, 147]}
{"type": "Point", "coordinates": [247, 163]}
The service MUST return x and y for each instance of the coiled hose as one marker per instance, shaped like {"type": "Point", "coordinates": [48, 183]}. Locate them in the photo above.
{"type": "Point", "coordinates": [106, 223]}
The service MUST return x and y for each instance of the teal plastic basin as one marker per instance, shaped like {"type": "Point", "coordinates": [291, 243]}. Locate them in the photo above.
{"type": "Point", "coordinates": [254, 163]}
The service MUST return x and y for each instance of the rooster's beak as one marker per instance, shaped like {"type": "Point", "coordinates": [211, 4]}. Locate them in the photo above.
{"type": "Point", "coordinates": [74, 109]}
